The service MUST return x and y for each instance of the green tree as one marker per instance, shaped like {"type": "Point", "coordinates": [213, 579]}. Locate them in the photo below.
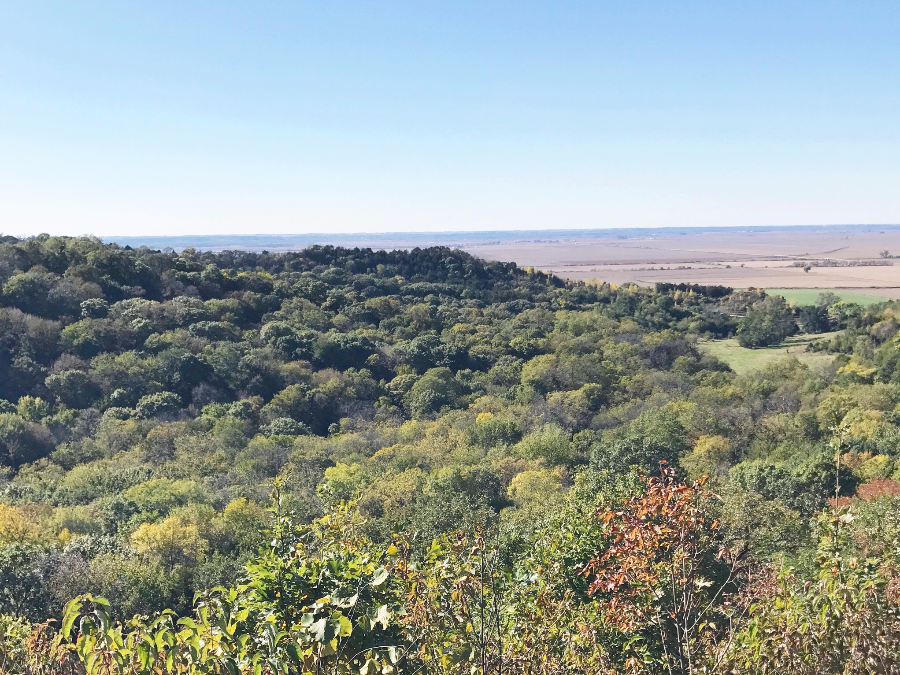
{"type": "Point", "coordinates": [814, 319]}
{"type": "Point", "coordinates": [32, 408]}
{"type": "Point", "coordinates": [841, 619]}
{"type": "Point", "coordinates": [653, 436]}
{"type": "Point", "coordinates": [549, 442]}
{"type": "Point", "coordinates": [22, 441]}
{"type": "Point", "coordinates": [767, 322]}
{"type": "Point", "coordinates": [711, 457]}
{"type": "Point", "coordinates": [169, 542]}
{"type": "Point", "coordinates": [157, 405]}
{"type": "Point", "coordinates": [436, 389]}
{"type": "Point", "coordinates": [73, 388]}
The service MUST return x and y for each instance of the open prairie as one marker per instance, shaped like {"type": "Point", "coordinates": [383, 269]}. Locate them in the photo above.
{"type": "Point", "coordinates": [839, 258]}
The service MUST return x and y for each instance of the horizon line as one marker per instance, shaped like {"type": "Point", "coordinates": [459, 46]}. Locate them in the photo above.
{"type": "Point", "coordinates": [375, 233]}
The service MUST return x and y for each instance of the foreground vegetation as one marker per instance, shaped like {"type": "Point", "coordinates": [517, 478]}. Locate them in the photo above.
{"type": "Point", "coordinates": [353, 461]}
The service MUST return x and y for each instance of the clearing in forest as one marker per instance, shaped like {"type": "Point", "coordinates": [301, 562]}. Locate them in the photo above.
{"type": "Point", "coordinates": [809, 296]}
{"type": "Point", "coordinates": [743, 360]}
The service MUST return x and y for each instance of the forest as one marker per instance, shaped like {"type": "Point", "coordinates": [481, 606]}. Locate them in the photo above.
{"type": "Point", "coordinates": [357, 461]}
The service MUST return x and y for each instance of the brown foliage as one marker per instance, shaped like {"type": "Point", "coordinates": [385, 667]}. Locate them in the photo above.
{"type": "Point", "coordinates": [666, 571]}
{"type": "Point", "coordinates": [878, 488]}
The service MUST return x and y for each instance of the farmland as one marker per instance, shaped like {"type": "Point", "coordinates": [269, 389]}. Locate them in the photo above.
{"type": "Point", "coordinates": [840, 260]}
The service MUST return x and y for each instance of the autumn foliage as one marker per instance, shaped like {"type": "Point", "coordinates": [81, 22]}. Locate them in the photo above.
{"type": "Point", "coordinates": [666, 576]}
{"type": "Point", "coordinates": [878, 488]}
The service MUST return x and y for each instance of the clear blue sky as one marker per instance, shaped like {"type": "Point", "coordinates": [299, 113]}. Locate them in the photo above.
{"type": "Point", "coordinates": [277, 117]}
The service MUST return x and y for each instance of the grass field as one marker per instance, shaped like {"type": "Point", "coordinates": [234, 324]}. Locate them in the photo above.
{"type": "Point", "coordinates": [743, 360]}
{"type": "Point", "coordinates": [808, 296]}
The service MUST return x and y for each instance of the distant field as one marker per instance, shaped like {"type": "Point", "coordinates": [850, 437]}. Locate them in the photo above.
{"type": "Point", "coordinates": [761, 257]}
{"type": "Point", "coordinates": [808, 296]}
{"type": "Point", "coordinates": [739, 258]}
{"type": "Point", "coordinates": [744, 360]}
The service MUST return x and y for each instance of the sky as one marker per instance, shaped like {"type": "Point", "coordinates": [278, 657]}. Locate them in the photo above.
{"type": "Point", "coordinates": [162, 118]}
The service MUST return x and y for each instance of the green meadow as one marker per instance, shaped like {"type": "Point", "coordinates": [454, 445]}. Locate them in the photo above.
{"type": "Point", "coordinates": [743, 360]}
{"type": "Point", "coordinates": [808, 296]}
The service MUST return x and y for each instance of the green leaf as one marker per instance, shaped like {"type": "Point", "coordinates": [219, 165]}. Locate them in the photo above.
{"type": "Point", "coordinates": [319, 629]}
{"type": "Point", "coordinates": [383, 616]}
{"type": "Point", "coordinates": [73, 611]}
{"type": "Point", "coordinates": [344, 627]}
{"type": "Point", "coordinates": [381, 575]}
{"type": "Point", "coordinates": [294, 652]}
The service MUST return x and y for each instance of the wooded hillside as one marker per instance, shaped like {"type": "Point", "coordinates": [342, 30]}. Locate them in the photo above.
{"type": "Point", "coordinates": [357, 461]}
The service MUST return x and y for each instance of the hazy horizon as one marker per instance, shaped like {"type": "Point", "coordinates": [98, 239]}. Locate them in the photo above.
{"type": "Point", "coordinates": [158, 119]}
{"type": "Point", "coordinates": [410, 238]}
{"type": "Point", "coordinates": [472, 240]}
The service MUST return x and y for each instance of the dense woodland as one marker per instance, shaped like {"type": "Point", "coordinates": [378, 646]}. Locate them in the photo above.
{"type": "Point", "coordinates": [358, 461]}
